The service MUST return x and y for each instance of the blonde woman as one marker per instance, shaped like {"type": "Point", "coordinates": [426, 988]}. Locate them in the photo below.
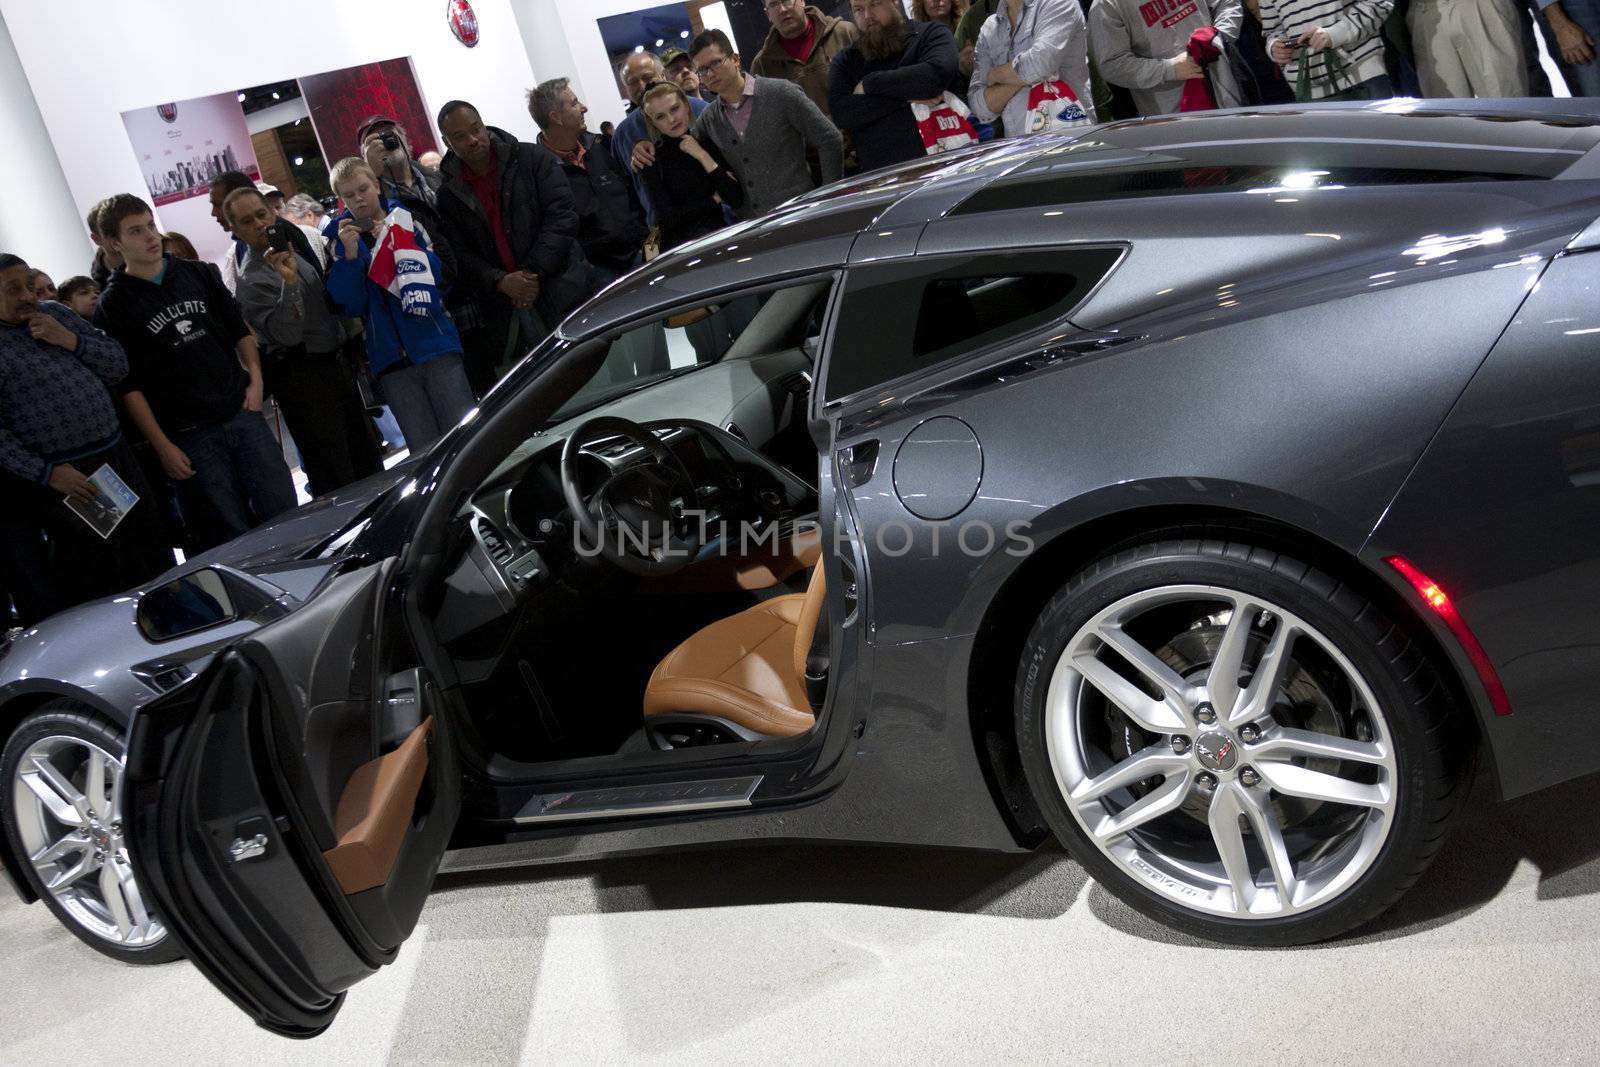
{"type": "Point", "coordinates": [689, 181]}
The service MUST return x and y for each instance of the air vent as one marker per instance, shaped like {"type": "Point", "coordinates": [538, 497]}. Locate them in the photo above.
{"type": "Point", "coordinates": [798, 383]}
{"type": "Point", "coordinates": [494, 543]}
{"type": "Point", "coordinates": [734, 431]}
{"type": "Point", "coordinates": [163, 677]}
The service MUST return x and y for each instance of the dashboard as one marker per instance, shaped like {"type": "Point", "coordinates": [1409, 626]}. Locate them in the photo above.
{"type": "Point", "coordinates": [522, 538]}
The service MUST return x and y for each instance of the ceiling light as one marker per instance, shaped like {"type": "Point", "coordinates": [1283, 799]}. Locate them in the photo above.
{"type": "Point", "coordinates": [660, 41]}
{"type": "Point", "coordinates": [299, 161]}
{"type": "Point", "coordinates": [684, 35]}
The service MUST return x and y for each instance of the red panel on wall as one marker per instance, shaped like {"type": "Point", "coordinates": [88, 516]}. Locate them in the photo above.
{"type": "Point", "coordinates": [341, 100]}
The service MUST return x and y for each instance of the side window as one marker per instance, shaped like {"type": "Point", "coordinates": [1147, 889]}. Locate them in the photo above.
{"type": "Point", "coordinates": [901, 317]}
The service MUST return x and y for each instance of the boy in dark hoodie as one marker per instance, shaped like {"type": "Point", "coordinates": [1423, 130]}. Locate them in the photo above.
{"type": "Point", "coordinates": [194, 379]}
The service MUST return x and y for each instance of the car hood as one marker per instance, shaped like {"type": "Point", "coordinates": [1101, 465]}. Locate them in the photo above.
{"type": "Point", "coordinates": [302, 530]}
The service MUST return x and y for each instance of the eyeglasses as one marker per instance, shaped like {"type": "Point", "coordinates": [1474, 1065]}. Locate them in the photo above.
{"type": "Point", "coordinates": [711, 66]}
{"type": "Point", "coordinates": [779, 5]}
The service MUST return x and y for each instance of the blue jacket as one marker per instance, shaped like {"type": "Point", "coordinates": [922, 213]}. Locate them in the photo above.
{"type": "Point", "coordinates": [392, 334]}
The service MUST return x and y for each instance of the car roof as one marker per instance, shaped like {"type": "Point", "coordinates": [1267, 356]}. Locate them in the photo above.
{"type": "Point", "coordinates": [1383, 143]}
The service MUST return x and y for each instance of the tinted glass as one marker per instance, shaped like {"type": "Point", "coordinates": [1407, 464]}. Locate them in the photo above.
{"type": "Point", "coordinates": [901, 317]}
{"type": "Point", "coordinates": [1268, 152]}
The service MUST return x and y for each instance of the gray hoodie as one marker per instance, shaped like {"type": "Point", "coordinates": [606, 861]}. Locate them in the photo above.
{"type": "Point", "coordinates": [1136, 43]}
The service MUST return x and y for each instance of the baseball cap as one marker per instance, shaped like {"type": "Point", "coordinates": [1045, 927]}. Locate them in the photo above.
{"type": "Point", "coordinates": [670, 56]}
{"type": "Point", "coordinates": [265, 189]}
{"type": "Point", "coordinates": [371, 123]}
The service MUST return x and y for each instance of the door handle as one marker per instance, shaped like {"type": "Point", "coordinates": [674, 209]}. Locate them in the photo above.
{"type": "Point", "coordinates": [858, 461]}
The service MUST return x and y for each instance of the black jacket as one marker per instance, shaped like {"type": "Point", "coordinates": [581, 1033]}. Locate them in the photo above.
{"type": "Point", "coordinates": [611, 225]}
{"type": "Point", "coordinates": [878, 119]}
{"type": "Point", "coordinates": [181, 338]}
{"type": "Point", "coordinates": [541, 222]}
{"type": "Point", "coordinates": [682, 191]}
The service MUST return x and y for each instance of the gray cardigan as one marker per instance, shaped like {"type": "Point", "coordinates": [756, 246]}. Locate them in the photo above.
{"type": "Point", "coordinates": [770, 159]}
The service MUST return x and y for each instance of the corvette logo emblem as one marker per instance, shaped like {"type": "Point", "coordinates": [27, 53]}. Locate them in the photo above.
{"type": "Point", "coordinates": [1216, 751]}
{"type": "Point", "coordinates": [168, 112]}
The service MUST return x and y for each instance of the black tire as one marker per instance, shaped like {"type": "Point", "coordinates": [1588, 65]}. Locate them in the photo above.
{"type": "Point", "coordinates": [64, 717]}
{"type": "Point", "coordinates": [1431, 751]}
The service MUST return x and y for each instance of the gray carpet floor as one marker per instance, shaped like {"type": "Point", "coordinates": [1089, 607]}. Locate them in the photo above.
{"type": "Point", "coordinates": [820, 954]}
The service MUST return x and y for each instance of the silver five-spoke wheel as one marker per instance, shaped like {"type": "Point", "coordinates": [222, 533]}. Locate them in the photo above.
{"type": "Point", "coordinates": [1221, 749]}
{"type": "Point", "coordinates": [66, 795]}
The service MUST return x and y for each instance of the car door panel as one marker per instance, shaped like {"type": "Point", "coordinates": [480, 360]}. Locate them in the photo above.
{"type": "Point", "coordinates": [286, 849]}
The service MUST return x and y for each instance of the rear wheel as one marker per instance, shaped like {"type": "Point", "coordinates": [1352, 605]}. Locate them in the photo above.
{"type": "Point", "coordinates": [62, 775]}
{"type": "Point", "coordinates": [1234, 743]}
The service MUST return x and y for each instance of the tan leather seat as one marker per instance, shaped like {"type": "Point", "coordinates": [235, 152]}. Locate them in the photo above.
{"type": "Point", "coordinates": [749, 668]}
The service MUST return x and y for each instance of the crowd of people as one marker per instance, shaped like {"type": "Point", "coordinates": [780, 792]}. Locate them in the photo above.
{"type": "Point", "coordinates": [384, 323]}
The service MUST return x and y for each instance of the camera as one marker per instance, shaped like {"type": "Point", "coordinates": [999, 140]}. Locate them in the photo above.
{"type": "Point", "coordinates": [278, 235]}
{"type": "Point", "coordinates": [390, 141]}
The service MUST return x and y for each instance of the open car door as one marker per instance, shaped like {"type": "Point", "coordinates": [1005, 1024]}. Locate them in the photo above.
{"type": "Point", "coordinates": [288, 808]}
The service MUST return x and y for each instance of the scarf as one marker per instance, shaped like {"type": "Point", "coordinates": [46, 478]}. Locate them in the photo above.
{"type": "Point", "coordinates": [400, 265]}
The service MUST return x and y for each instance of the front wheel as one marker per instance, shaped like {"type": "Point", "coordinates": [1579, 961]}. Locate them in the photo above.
{"type": "Point", "coordinates": [62, 775]}
{"type": "Point", "coordinates": [1235, 744]}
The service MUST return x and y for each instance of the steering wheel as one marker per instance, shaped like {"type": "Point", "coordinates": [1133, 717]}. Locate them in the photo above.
{"type": "Point", "coordinates": [637, 519]}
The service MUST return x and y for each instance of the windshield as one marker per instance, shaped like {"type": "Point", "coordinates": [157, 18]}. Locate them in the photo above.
{"type": "Point", "coordinates": [662, 349]}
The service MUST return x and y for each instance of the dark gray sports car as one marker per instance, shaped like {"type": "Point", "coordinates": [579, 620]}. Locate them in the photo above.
{"type": "Point", "coordinates": [1213, 493]}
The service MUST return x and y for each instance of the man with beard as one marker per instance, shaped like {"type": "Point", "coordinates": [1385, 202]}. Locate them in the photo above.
{"type": "Point", "coordinates": [873, 82]}
{"type": "Point", "coordinates": [640, 70]}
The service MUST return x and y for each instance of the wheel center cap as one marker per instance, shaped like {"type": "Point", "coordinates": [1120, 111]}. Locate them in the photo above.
{"type": "Point", "coordinates": [1217, 751]}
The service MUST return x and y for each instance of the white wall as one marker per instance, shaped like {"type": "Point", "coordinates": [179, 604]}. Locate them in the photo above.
{"type": "Point", "coordinates": [38, 220]}
{"type": "Point", "coordinates": [89, 60]}
{"type": "Point", "coordinates": [563, 40]}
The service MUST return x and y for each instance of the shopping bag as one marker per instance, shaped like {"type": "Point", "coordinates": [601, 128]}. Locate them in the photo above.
{"type": "Point", "coordinates": [945, 126]}
{"type": "Point", "coordinates": [1052, 105]}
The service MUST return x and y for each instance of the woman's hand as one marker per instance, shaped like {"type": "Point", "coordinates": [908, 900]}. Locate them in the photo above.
{"type": "Point", "coordinates": [694, 151]}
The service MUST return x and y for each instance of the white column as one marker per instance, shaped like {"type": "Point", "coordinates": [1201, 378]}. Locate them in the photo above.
{"type": "Point", "coordinates": [38, 219]}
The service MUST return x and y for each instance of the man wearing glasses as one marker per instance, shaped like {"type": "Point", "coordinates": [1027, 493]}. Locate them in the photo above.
{"type": "Point", "coordinates": [764, 126]}
{"type": "Point", "coordinates": [800, 45]}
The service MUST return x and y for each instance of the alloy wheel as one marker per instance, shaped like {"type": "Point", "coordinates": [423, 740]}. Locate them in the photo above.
{"type": "Point", "coordinates": [1221, 750]}
{"type": "Point", "coordinates": [66, 796]}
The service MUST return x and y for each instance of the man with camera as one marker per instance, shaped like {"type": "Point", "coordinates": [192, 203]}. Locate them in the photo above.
{"type": "Point", "coordinates": [387, 151]}
{"type": "Point", "coordinates": [284, 301]}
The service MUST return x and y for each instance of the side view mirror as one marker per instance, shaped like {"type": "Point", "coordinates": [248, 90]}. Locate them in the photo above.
{"type": "Point", "coordinates": [198, 601]}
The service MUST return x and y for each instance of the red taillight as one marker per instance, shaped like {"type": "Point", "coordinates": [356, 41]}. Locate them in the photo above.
{"type": "Point", "coordinates": [1436, 599]}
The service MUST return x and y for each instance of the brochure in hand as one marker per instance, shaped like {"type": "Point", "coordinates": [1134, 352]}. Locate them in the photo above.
{"type": "Point", "coordinates": [113, 500]}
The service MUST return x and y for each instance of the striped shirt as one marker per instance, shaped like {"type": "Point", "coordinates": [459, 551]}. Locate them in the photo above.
{"type": "Point", "coordinates": [1353, 26]}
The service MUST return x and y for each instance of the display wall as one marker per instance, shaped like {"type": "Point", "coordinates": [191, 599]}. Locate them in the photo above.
{"type": "Point", "coordinates": [88, 61]}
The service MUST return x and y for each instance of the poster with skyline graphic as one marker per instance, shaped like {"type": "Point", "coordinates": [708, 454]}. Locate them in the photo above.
{"type": "Point", "coordinates": [181, 146]}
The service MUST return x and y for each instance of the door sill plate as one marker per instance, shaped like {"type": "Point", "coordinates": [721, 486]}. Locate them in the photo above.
{"type": "Point", "coordinates": [659, 799]}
